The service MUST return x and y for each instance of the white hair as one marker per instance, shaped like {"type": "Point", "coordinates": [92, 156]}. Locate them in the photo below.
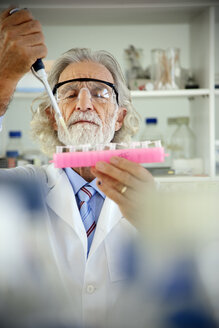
{"type": "Point", "coordinates": [42, 126]}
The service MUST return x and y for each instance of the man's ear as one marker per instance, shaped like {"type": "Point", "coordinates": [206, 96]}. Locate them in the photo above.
{"type": "Point", "coordinates": [51, 116]}
{"type": "Point", "coordinates": [121, 115]}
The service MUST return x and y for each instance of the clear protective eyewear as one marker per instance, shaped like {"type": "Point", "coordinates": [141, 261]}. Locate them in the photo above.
{"type": "Point", "coordinates": [101, 92]}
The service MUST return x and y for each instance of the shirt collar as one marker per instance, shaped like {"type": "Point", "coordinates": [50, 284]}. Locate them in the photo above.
{"type": "Point", "coordinates": [78, 182]}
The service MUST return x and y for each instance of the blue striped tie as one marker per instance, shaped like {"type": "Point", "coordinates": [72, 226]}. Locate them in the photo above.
{"type": "Point", "coordinates": [84, 195]}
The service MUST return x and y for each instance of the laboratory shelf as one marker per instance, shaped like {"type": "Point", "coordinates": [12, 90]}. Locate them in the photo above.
{"type": "Point", "coordinates": [170, 93]}
{"type": "Point", "coordinates": [27, 95]}
{"type": "Point", "coordinates": [142, 94]}
{"type": "Point", "coordinates": [183, 178]}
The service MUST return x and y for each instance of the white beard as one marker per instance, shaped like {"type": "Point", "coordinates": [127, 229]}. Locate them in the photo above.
{"type": "Point", "coordinates": [86, 133]}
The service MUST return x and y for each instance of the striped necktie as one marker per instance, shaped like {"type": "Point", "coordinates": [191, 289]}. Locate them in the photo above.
{"type": "Point", "coordinates": [84, 195]}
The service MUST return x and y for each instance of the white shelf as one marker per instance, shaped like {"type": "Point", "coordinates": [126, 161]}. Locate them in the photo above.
{"type": "Point", "coordinates": [168, 179]}
{"type": "Point", "coordinates": [170, 93]}
{"type": "Point", "coordinates": [142, 94]}
{"type": "Point", "coordinates": [216, 92]}
{"type": "Point", "coordinates": [28, 95]}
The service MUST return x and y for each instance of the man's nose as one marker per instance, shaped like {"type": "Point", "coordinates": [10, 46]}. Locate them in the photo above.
{"type": "Point", "coordinates": [84, 101]}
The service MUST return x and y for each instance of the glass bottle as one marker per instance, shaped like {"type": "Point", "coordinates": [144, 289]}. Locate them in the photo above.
{"type": "Point", "coordinates": [171, 127]}
{"type": "Point", "coordinates": [183, 140]}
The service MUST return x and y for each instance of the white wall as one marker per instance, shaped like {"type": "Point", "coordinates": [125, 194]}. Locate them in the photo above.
{"type": "Point", "coordinates": [117, 38]}
{"type": "Point", "coordinates": [217, 48]}
{"type": "Point", "coordinates": [217, 71]}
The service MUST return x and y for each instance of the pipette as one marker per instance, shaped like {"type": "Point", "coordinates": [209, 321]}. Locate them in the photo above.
{"type": "Point", "coordinates": [38, 70]}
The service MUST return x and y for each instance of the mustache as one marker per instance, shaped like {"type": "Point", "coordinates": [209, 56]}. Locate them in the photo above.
{"type": "Point", "coordinates": [79, 116]}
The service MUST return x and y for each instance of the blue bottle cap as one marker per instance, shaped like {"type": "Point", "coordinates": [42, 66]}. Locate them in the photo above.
{"type": "Point", "coordinates": [14, 134]}
{"type": "Point", "coordinates": [151, 120]}
{"type": "Point", "coordinates": [12, 153]}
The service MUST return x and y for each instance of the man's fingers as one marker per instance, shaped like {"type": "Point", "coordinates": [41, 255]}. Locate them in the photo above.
{"type": "Point", "coordinates": [4, 14]}
{"type": "Point", "coordinates": [32, 39]}
{"type": "Point", "coordinates": [40, 51]}
{"type": "Point", "coordinates": [109, 182]}
{"type": "Point", "coordinates": [19, 17]}
{"type": "Point", "coordinates": [128, 173]}
{"type": "Point", "coordinates": [22, 42]}
{"type": "Point", "coordinates": [110, 187]}
{"type": "Point", "coordinates": [32, 26]}
{"type": "Point", "coordinates": [122, 176]}
{"type": "Point", "coordinates": [133, 168]}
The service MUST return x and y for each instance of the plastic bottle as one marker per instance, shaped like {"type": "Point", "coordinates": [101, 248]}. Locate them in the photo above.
{"type": "Point", "coordinates": [14, 148]}
{"type": "Point", "coordinates": [151, 131]}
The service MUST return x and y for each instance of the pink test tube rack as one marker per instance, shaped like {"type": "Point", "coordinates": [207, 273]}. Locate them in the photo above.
{"type": "Point", "coordinates": [90, 158]}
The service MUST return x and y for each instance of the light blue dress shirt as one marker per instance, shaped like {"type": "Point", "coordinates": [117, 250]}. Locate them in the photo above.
{"type": "Point", "coordinates": [1, 119]}
{"type": "Point", "coordinates": [77, 182]}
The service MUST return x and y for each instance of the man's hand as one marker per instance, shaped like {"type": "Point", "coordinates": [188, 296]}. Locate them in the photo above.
{"type": "Point", "coordinates": [126, 183]}
{"type": "Point", "coordinates": [21, 44]}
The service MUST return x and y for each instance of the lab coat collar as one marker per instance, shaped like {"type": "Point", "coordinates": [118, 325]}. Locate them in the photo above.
{"type": "Point", "coordinates": [61, 200]}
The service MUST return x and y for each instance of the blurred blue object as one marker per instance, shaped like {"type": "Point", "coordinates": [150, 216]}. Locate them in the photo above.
{"type": "Point", "coordinates": [191, 318]}
{"type": "Point", "coordinates": [28, 189]}
{"type": "Point", "coordinates": [183, 298]}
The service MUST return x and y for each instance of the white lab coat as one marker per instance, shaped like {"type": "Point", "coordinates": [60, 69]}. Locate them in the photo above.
{"type": "Point", "coordinates": [93, 284]}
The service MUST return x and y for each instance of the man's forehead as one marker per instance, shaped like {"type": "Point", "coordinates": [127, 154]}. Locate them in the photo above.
{"type": "Point", "coordinates": [86, 69]}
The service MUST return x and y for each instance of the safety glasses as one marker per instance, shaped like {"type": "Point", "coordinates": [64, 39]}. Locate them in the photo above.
{"type": "Point", "coordinates": [99, 91]}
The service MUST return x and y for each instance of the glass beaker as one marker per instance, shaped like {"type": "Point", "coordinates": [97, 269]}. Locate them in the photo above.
{"type": "Point", "coordinates": [174, 69]}
{"type": "Point", "coordinates": [133, 63]}
{"type": "Point", "coordinates": [159, 67]}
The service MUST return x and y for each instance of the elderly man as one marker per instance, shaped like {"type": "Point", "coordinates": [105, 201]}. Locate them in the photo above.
{"type": "Point", "coordinates": [91, 212]}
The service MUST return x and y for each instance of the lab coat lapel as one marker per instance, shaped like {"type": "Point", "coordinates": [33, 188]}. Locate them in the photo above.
{"type": "Point", "coordinates": [61, 200]}
{"type": "Point", "coordinates": [110, 215]}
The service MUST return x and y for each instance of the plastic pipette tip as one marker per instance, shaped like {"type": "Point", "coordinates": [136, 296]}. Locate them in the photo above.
{"type": "Point", "coordinates": [64, 125]}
